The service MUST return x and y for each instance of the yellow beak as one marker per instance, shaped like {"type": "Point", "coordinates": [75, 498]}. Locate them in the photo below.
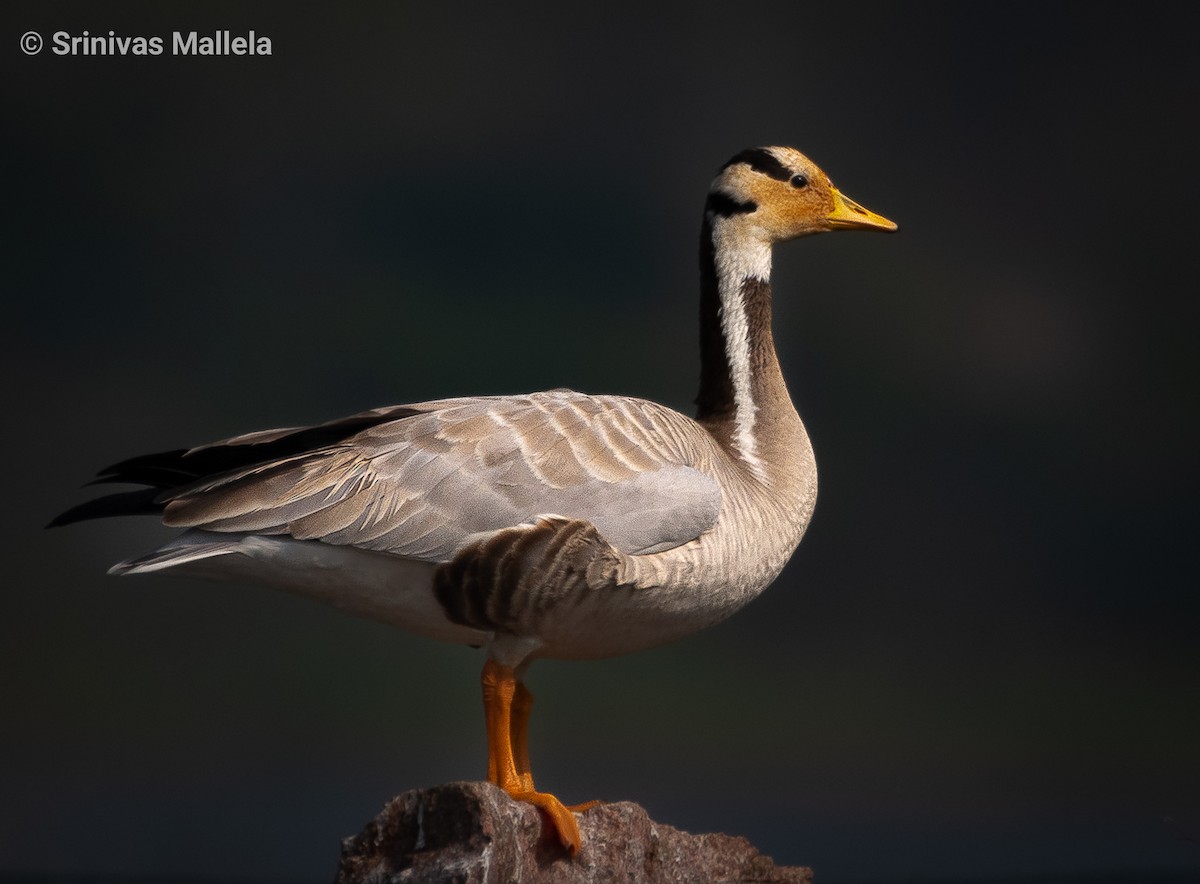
{"type": "Point", "coordinates": [849, 215]}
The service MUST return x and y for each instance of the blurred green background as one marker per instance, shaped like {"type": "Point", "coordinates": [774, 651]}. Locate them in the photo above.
{"type": "Point", "coordinates": [982, 663]}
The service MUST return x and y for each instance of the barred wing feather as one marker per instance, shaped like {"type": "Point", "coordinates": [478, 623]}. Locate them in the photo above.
{"type": "Point", "coordinates": [444, 472]}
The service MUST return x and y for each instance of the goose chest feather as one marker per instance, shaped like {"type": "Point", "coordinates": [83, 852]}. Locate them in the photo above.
{"type": "Point", "coordinates": [553, 524]}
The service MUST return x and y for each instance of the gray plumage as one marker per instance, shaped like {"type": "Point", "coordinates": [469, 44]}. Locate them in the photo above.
{"type": "Point", "coordinates": [423, 485]}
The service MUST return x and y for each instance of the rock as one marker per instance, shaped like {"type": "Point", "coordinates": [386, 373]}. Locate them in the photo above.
{"type": "Point", "coordinates": [473, 833]}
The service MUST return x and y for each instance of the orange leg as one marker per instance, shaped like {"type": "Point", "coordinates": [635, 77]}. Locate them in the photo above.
{"type": "Point", "coordinates": [506, 706]}
{"type": "Point", "coordinates": [522, 705]}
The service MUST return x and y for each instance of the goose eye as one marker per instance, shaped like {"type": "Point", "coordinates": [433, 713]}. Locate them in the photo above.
{"type": "Point", "coordinates": [799, 181]}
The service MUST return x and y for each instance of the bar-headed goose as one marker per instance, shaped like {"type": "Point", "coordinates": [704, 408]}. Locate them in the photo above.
{"type": "Point", "coordinates": [546, 525]}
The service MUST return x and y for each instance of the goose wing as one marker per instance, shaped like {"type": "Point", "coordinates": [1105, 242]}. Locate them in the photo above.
{"type": "Point", "coordinates": [442, 473]}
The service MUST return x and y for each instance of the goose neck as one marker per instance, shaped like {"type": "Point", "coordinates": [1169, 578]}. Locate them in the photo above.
{"type": "Point", "coordinates": [742, 393]}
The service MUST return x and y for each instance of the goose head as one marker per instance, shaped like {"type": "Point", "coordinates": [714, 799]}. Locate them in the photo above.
{"type": "Point", "coordinates": [777, 193]}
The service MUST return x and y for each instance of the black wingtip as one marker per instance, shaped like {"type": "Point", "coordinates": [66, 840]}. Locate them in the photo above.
{"type": "Point", "coordinates": [166, 470]}
{"type": "Point", "coordinates": [128, 503]}
{"type": "Point", "coordinates": [142, 460]}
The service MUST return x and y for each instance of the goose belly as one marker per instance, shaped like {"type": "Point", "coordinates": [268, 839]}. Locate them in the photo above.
{"type": "Point", "coordinates": [661, 599]}
{"type": "Point", "coordinates": [653, 600]}
{"type": "Point", "coordinates": [640, 602]}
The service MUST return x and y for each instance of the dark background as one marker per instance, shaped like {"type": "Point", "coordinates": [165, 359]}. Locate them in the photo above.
{"type": "Point", "coordinates": [982, 663]}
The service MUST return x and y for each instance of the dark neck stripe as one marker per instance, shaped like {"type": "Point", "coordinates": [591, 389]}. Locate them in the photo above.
{"type": "Point", "coordinates": [724, 205]}
{"type": "Point", "coordinates": [761, 160]}
{"type": "Point", "coordinates": [716, 402]}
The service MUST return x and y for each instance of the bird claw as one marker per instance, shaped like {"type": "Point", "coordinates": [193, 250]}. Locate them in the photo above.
{"type": "Point", "coordinates": [561, 817]}
{"type": "Point", "coordinates": [584, 805]}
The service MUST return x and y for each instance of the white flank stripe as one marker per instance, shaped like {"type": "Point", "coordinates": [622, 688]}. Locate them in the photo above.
{"type": "Point", "coordinates": [739, 258]}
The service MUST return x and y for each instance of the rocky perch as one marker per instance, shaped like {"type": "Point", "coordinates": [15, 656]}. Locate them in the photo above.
{"type": "Point", "coordinates": [472, 833]}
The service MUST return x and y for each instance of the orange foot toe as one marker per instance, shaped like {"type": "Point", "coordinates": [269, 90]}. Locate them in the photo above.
{"type": "Point", "coordinates": [560, 816]}
{"type": "Point", "coordinates": [586, 805]}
